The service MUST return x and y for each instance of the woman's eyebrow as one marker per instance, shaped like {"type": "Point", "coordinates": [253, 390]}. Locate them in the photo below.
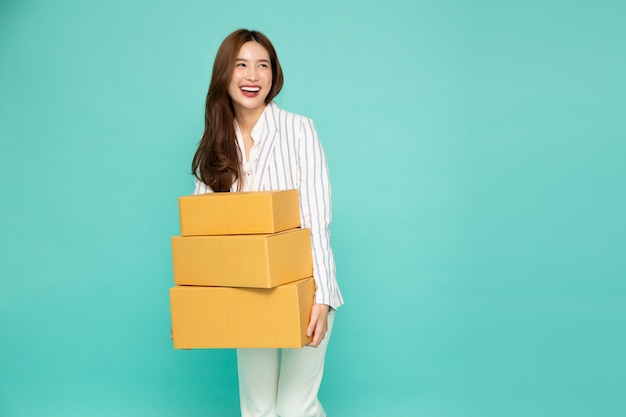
{"type": "Point", "coordinates": [258, 60]}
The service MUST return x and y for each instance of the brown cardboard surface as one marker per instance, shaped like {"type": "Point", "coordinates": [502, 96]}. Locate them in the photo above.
{"type": "Point", "coordinates": [256, 261]}
{"type": "Point", "coordinates": [239, 213]}
{"type": "Point", "coordinates": [220, 317]}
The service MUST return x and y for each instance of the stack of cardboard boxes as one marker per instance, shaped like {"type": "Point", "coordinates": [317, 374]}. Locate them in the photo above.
{"type": "Point", "coordinates": [242, 272]}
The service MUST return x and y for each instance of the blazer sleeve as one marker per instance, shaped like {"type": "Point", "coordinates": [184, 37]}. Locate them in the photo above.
{"type": "Point", "coordinates": [316, 212]}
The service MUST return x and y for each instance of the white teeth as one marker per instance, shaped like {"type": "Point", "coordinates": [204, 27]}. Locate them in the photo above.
{"type": "Point", "coordinates": [251, 89]}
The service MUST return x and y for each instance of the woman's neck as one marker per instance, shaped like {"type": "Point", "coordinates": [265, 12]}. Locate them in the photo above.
{"type": "Point", "coordinates": [246, 119]}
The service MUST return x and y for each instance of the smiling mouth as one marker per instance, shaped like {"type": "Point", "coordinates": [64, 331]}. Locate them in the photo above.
{"type": "Point", "coordinates": [250, 89]}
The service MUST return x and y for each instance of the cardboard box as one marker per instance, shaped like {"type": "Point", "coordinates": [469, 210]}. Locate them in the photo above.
{"type": "Point", "coordinates": [256, 261]}
{"type": "Point", "coordinates": [239, 213]}
{"type": "Point", "coordinates": [219, 317]}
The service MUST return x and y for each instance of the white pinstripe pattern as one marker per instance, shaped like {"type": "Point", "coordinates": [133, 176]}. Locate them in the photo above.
{"type": "Point", "coordinates": [291, 157]}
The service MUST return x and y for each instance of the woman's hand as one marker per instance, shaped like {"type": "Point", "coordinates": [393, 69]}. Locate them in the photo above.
{"type": "Point", "coordinates": [318, 325]}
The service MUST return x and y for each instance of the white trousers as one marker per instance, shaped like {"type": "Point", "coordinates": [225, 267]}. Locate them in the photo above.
{"type": "Point", "coordinates": [282, 382]}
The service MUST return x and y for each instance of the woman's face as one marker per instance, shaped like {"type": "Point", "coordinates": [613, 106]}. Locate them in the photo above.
{"type": "Point", "coordinates": [251, 80]}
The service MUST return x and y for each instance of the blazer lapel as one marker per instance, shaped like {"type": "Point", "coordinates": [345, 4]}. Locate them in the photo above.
{"type": "Point", "coordinates": [270, 134]}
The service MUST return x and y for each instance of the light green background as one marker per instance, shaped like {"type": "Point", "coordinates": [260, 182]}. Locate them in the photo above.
{"type": "Point", "coordinates": [477, 156]}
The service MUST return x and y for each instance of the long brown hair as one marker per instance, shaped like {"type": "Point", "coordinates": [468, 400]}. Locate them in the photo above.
{"type": "Point", "coordinates": [217, 159]}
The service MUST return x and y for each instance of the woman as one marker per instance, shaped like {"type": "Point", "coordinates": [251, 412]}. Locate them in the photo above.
{"type": "Point", "coordinates": [249, 144]}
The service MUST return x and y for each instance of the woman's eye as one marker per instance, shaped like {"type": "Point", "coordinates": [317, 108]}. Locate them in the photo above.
{"type": "Point", "coordinates": [241, 64]}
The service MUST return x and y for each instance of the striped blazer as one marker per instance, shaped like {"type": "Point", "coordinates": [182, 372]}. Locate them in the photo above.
{"type": "Point", "coordinates": [291, 157]}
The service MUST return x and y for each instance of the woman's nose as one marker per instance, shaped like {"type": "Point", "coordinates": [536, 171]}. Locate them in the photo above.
{"type": "Point", "coordinates": [252, 74]}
